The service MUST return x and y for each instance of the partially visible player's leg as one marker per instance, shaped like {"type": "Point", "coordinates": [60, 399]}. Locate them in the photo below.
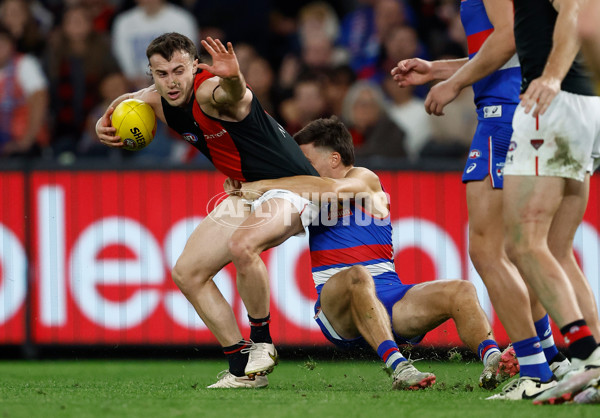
{"type": "Point", "coordinates": [428, 305]}
{"type": "Point", "coordinates": [205, 254]}
{"type": "Point", "coordinates": [350, 304]}
{"type": "Point", "coordinates": [535, 202]}
{"type": "Point", "coordinates": [560, 240]}
{"type": "Point", "coordinates": [268, 226]}
{"type": "Point", "coordinates": [508, 292]}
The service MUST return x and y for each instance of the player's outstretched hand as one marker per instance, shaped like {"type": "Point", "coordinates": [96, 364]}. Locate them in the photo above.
{"type": "Point", "coordinates": [106, 132]}
{"type": "Point", "coordinates": [412, 72]}
{"type": "Point", "coordinates": [224, 61]}
{"type": "Point", "coordinates": [540, 94]}
{"type": "Point", "coordinates": [439, 96]}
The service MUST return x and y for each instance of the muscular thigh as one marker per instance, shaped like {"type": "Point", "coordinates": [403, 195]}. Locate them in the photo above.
{"type": "Point", "coordinates": [485, 210]}
{"type": "Point", "coordinates": [335, 304]}
{"type": "Point", "coordinates": [206, 251]}
{"type": "Point", "coordinates": [270, 224]}
{"type": "Point", "coordinates": [424, 307]}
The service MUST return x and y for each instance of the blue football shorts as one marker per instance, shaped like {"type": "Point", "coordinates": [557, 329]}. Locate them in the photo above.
{"type": "Point", "coordinates": [389, 290]}
{"type": "Point", "coordinates": [488, 152]}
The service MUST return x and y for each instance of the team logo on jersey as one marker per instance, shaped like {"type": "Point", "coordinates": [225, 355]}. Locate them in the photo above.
{"type": "Point", "coordinates": [471, 167]}
{"type": "Point", "coordinates": [512, 146]}
{"type": "Point", "coordinates": [536, 143]}
{"type": "Point", "coordinates": [189, 137]}
{"type": "Point", "coordinates": [492, 112]}
{"type": "Point", "coordinates": [475, 153]}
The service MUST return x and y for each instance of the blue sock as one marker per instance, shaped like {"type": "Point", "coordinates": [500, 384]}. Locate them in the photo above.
{"type": "Point", "coordinates": [390, 354]}
{"type": "Point", "coordinates": [531, 359]}
{"type": "Point", "coordinates": [544, 332]}
{"type": "Point", "coordinates": [486, 348]}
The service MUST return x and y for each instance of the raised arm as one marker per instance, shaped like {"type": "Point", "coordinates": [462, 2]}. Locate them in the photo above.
{"type": "Point", "coordinates": [497, 49]}
{"type": "Point", "coordinates": [565, 46]}
{"type": "Point", "coordinates": [227, 94]}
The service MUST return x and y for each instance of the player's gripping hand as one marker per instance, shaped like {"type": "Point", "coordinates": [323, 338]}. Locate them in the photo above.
{"type": "Point", "coordinates": [232, 187]}
{"type": "Point", "coordinates": [412, 72]}
{"type": "Point", "coordinates": [539, 95]}
{"type": "Point", "coordinates": [439, 96]}
{"type": "Point", "coordinates": [106, 132]}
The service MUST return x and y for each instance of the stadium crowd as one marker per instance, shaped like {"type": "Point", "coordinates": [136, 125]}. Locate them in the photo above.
{"type": "Point", "coordinates": [62, 62]}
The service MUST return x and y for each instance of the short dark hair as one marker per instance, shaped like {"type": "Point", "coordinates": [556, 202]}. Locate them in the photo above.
{"type": "Point", "coordinates": [328, 133]}
{"type": "Point", "coordinates": [169, 43]}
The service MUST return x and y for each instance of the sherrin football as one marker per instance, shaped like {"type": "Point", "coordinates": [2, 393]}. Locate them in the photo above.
{"type": "Point", "coordinates": [135, 122]}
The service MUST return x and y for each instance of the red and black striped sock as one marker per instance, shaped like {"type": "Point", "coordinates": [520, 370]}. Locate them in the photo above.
{"type": "Point", "coordinates": [237, 360]}
{"type": "Point", "coordinates": [579, 339]}
{"type": "Point", "coordinates": [259, 329]}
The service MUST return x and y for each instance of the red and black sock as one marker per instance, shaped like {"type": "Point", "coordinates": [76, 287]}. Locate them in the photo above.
{"type": "Point", "coordinates": [579, 339]}
{"type": "Point", "coordinates": [259, 329]}
{"type": "Point", "coordinates": [237, 360]}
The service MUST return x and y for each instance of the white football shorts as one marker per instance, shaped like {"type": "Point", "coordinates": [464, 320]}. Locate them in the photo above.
{"type": "Point", "coordinates": [563, 142]}
{"type": "Point", "coordinates": [308, 210]}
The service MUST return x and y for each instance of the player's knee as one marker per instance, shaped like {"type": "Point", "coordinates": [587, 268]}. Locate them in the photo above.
{"type": "Point", "coordinates": [360, 276]}
{"type": "Point", "coordinates": [465, 290]}
{"type": "Point", "coordinates": [187, 280]}
{"type": "Point", "coordinates": [241, 249]}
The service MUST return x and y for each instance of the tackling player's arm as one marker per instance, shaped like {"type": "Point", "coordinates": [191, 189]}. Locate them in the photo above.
{"type": "Point", "coordinates": [105, 130]}
{"type": "Point", "coordinates": [497, 49]}
{"type": "Point", "coordinates": [565, 46]}
{"type": "Point", "coordinates": [224, 96]}
{"type": "Point", "coordinates": [359, 182]}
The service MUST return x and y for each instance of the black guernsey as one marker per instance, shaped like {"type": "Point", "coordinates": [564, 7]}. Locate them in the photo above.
{"type": "Point", "coordinates": [534, 27]}
{"type": "Point", "coordinates": [255, 148]}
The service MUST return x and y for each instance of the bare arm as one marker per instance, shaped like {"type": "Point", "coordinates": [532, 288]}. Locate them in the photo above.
{"type": "Point", "coordinates": [565, 46]}
{"type": "Point", "coordinates": [415, 71]}
{"type": "Point", "coordinates": [497, 49]}
{"type": "Point", "coordinates": [226, 96]}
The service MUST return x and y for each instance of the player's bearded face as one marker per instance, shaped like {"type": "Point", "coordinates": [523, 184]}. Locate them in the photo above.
{"type": "Point", "coordinates": [174, 79]}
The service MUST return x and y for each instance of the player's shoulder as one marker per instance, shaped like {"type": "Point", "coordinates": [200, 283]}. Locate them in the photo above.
{"type": "Point", "coordinates": [366, 175]}
{"type": "Point", "coordinates": [362, 172]}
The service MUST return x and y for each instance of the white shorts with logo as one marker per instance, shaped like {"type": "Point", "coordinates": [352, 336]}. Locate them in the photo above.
{"type": "Point", "coordinates": [308, 210]}
{"type": "Point", "coordinates": [563, 142]}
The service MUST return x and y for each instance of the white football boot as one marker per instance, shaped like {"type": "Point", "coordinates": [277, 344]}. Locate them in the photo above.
{"type": "Point", "coordinates": [262, 359]}
{"type": "Point", "coordinates": [407, 377]}
{"type": "Point", "coordinates": [523, 388]}
{"type": "Point", "coordinates": [227, 380]}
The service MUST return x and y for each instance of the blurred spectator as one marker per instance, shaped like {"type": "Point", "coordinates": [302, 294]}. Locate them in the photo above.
{"type": "Point", "coordinates": [318, 18]}
{"type": "Point", "coordinates": [245, 54]}
{"type": "Point", "coordinates": [260, 78]}
{"type": "Point", "coordinates": [239, 20]}
{"type": "Point", "coordinates": [453, 132]}
{"type": "Point", "coordinates": [307, 103]}
{"type": "Point", "coordinates": [338, 82]}
{"type": "Point", "coordinates": [134, 29]}
{"type": "Point", "coordinates": [101, 12]}
{"type": "Point", "coordinates": [373, 132]}
{"type": "Point", "coordinates": [110, 87]}
{"type": "Point", "coordinates": [23, 100]}
{"type": "Point", "coordinates": [17, 17]}
{"type": "Point", "coordinates": [364, 30]}
{"type": "Point", "coordinates": [408, 112]}
{"type": "Point", "coordinates": [77, 59]}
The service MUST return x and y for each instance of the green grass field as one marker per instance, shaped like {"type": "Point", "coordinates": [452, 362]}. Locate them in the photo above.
{"type": "Point", "coordinates": [141, 388]}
